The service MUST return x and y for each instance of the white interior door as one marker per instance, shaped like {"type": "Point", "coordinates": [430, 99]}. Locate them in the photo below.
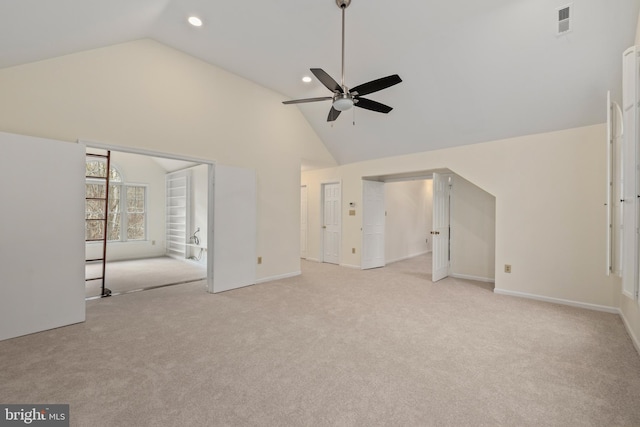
{"type": "Point", "coordinates": [373, 222]}
{"type": "Point", "coordinates": [304, 217]}
{"type": "Point", "coordinates": [440, 231]}
{"type": "Point", "coordinates": [234, 228]}
{"type": "Point", "coordinates": [331, 227]}
{"type": "Point", "coordinates": [609, 184]}
{"type": "Point", "coordinates": [629, 174]}
{"type": "Point", "coordinates": [42, 249]}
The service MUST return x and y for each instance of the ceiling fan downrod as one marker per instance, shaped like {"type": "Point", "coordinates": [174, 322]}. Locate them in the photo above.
{"type": "Point", "coordinates": [342, 98]}
{"type": "Point", "coordinates": [343, 5]}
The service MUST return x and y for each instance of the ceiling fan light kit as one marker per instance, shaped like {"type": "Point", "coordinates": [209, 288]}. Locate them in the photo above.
{"type": "Point", "coordinates": [343, 98]}
{"type": "Point", "coordinates": [343, 103]}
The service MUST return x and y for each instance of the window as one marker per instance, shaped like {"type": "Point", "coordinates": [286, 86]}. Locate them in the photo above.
{"type": "Point", "coordinates": [127, 218]}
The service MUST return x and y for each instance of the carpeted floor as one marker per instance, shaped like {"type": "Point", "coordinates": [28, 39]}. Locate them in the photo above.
{"type": "Point", "coordinates": [130, 275]}
{"type": "Point", "coordinates": [335, 346]}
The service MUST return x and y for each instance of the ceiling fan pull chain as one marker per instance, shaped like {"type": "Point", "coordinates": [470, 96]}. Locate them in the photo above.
{"type": "Point", "coordinates": [354, 116]}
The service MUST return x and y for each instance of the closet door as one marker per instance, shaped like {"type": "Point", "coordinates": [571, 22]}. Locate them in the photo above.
{"type": "Point", "coordinates": [234, 228]}
{"type": "Point", "coordinates": [373, 223]}
{"type": "Point", "coordinates": [42, 234]}
{"type": "Point", "coordinates": [630, 173]}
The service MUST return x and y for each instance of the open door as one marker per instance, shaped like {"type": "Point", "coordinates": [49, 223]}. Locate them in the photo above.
{"type": "Point", "coordinates": [440, 231]}
{"type": "Point", "coordinates": [373, 223]}
{"type": "Point", "coordinates": [42, 247]}
{"type": "Point", "coordinates": [234, 228]}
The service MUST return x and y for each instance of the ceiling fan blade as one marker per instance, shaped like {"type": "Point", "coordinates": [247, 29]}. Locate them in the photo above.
{"type": "Point", "coordinates": [300, 101]}
{"type": "Point", "coordinates": [327, 80]}
{"type": "Point", "coordinates": [368, 104]}
{"type": "Point", "coordinates": [376, 85]}
{"type": "Point", "coordinates": [333, 114]}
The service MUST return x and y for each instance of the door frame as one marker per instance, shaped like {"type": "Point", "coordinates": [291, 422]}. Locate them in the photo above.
{"type": "Point", "coordinates": [304, 213]}
{"type": "Point", "coordinates": [410, 176]}
{"type": "Point", "coordinates": [210, 185]}
{"type": "Point", "coordinates": [322, 186]}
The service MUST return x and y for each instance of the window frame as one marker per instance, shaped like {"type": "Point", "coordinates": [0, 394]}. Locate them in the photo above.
{"type": "Point", "coordinates": [123, 214]}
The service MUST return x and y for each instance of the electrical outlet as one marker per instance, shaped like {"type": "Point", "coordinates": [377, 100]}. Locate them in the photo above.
{"type": "Point", "coordinates": [507, 268]}
{"type": "Point", "coordinates": [259, 260]}
{"type": "Point", "coordinates": [353, 250]}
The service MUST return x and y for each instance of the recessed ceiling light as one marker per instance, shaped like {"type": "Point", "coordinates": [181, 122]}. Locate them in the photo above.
{"type": "Point", "coordinates": [306, 79]}
{"type": "Point", "coordinates": [195, 21]}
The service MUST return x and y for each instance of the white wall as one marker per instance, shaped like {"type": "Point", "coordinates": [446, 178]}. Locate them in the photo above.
{"type": "Point", "coordinates": [409, 218]}
{"type": "Point", "coordinates": [473, 228]}
{"type": "Point", "coordinates": [146, 95]}
{"type": "Point", "coordinates": [199, 188]}
{"type": "Point", "coordinates": [549, 208]}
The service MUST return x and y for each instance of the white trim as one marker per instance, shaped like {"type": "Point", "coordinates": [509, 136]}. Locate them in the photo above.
{"type": "Point", "coordinates": [588, 306]}
{"type": "Point", "coordinates": [469, 277]}
{"type": "Point", "coordinates": [311, 259]}
{"type": "Point", "coordinates": [278, 277]}
{"type": "Point", "coordinates": [143, 151]}
{"type": "Point", "coordinates": [634, 338]}
{"type": "Point", "coordinates": [407, 257]}
{"type": "Point", "coordinates": [357, 267]}
{"type": "Point", "coordinates": [332, 181]}
{"type": "Point", "coordinates": [627, 294]}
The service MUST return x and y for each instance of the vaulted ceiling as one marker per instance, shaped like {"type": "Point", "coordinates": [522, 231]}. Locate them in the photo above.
{"type": "Point", "coordinates": [472, 71]}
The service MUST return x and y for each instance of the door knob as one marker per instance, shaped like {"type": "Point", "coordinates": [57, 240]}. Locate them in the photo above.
{"type": "Point", "coordinates": [324, 226]}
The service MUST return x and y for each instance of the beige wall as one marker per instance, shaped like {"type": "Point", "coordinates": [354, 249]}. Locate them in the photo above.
{"type": "Point", "coordinates": [408, 205]}
{"type": "Point", "coordinates": [638, 32]}
{"type": "Point", "coordinates": [473, 231]}
{"type": "Point", "coordinates": [143, 94]}
{"type": "Point", "coordinates": [549, 208]}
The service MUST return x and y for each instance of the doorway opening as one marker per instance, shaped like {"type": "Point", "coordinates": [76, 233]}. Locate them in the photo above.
{"type": "Point", "coordinates": [434, 213]}
{"type": "Point", "coordinates": [154, 225]}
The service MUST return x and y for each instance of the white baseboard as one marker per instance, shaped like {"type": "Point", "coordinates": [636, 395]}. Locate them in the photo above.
{"type": "Point", "coordinates": [476, 278]}
{"type": "Point", "coordinates": [634, 338]}
{"type": "Point", "coordinates": [596, 307]}
{"type": "Point", "coordinates": [391, 261]}
{"type": "Point", "coordinates": [351, 266]}
{"type": "Point", "coordinates": [341, 265]}
{"type": "Point", "coordinates": [278, 277]}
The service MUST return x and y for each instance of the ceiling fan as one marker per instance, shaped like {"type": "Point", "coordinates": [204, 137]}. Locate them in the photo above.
{"type": "Point", "coordinates": [344, 98]}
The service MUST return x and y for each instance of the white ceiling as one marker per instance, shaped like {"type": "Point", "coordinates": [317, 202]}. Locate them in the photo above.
{"type": "Point", "coordinates": [472, 70]}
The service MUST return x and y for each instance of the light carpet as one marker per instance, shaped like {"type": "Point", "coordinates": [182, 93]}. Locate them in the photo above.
{"type": "Point", "coordinates": [334, 346]}
{"type": "Point", "coordinates": [130, 275]}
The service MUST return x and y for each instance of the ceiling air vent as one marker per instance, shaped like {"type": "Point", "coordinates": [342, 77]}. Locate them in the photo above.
{"type": "Point", "coordinates": [564, 19]}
